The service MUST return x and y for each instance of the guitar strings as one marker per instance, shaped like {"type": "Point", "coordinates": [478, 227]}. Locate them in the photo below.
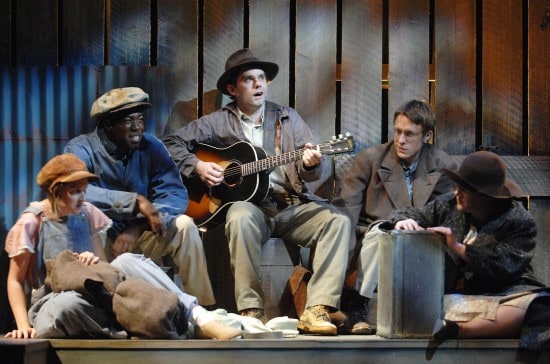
{"type": "Point", "coordinates": [248, 168]}
{"type": "Point", "coordinates": [272, 161]}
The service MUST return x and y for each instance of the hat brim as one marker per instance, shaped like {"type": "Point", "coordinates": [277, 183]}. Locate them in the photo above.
{"type": "Point", "coordinates": [73, 177]}
{"type": "Point", "coordinates": [125, 109]}
{"type": "Point", "coordinates": [508, 190]}
{"type": "Point", "coordinates": [271, 69]}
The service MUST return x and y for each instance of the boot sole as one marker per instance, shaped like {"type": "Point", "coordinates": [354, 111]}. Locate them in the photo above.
{"type": "Point", "coordinates": [361, 329]}
{"type": "Point", "coordinates": [304, 328]}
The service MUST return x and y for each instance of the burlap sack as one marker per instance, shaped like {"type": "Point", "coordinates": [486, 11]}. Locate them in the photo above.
{"type": "Point", "coordinates": [66, 273]}
{"type": "Point", "coordinates": [149, 312]}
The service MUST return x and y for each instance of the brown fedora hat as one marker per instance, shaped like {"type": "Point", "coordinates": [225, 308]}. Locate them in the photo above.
{"type": "Point", "coordinates": [485, 172]}
{"type": "Point", "coordinates": [243, 60]}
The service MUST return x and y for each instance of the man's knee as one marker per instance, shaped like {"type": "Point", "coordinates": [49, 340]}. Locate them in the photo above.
{"type": "Point", "coordinates": [184, 222]}
{"type": "Point", "coordinates": [343, 220]}
{"type": "Point", "coordinates": [127, 262]}
{"type": "Point", "coordinates": [241, 211]}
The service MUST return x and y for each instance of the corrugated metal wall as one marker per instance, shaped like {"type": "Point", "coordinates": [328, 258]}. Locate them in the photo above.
{"type": "Point", "coordinates": [42, 108]}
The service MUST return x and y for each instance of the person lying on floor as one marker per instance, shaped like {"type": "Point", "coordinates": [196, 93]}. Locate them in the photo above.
{"type": "Point", "coordinates": [490, 239]}
{"type": "Point", "coordinates": [64, 220]}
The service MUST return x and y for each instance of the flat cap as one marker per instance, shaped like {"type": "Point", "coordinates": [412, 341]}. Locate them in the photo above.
{"type": "Point", "coordinates": [127, 99]}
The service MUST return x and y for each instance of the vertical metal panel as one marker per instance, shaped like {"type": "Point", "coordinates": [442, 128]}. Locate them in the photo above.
{"type": "Point", "coordinates": [42, 108]}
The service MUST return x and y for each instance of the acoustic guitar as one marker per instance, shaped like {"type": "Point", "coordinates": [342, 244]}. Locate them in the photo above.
{"type": "Point", "coordinates": [245, 177]}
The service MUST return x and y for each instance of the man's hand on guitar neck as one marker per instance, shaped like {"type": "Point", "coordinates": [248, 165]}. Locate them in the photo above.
{"type": "Point", "coordinates": [210, 173]}
{"type": "Point", "coordinates": [312, 157]}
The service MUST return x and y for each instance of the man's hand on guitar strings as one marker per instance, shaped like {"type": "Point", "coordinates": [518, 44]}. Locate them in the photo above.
{"type": "Point", "coordinates": [210, 173]}
{"type": "Point", "coordinates": [311, 157]}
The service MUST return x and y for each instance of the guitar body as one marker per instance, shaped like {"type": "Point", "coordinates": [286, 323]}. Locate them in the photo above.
{"type": "Point", "coordinates": [208, 205]}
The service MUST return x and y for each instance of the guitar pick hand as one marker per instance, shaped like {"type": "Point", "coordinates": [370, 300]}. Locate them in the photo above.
{"type": "Point", "coordinates": [210, 173]}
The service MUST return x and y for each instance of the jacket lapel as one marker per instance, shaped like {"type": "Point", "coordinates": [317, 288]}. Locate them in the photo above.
{"type": "Point", "coordinates": [423, 187]}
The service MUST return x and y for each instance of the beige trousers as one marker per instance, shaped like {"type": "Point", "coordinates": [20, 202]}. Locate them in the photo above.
{"type": "Point", "coordinates": [183, 243]}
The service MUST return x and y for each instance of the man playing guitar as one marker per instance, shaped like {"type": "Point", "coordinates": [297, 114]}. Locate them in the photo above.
{"type": "Point", "coordinates": [288, 210]}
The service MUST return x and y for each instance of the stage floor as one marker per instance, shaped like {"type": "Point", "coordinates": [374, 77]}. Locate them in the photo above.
{"type": "Point", "coordinates": [302, 349]}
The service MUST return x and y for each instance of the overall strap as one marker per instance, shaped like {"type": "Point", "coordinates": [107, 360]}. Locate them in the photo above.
{"type": "Point", "coordinates": [38, 269]}
{"type": "Point", "coordinates": [272, 130]}
{"type": "Point", "coordinates": [37, 211]}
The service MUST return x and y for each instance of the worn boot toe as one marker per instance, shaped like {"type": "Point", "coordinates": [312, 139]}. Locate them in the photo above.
{"type": "Point", "coordinates": [315, 320]}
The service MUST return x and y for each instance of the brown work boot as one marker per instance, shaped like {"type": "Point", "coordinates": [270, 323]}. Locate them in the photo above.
{"type": "Point", "coordinates": [257, 313]}
{"type": "Point", "coordinates": [315, 320]}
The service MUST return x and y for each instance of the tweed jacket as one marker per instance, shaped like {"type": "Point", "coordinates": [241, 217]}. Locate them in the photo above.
{"type": "Point", "coordinates": [500, 258]}
{"type": "Point", "coordinates": [499, 262]}
{"type": "Point", "coordinates": [376, 184]}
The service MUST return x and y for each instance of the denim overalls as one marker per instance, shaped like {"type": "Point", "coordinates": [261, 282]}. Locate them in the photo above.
{"type": "Point", "coordinates": [56, 236]}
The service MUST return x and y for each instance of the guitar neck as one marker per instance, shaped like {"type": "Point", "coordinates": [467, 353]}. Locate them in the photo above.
{"type": "Point", "coordinates": [271, 162]}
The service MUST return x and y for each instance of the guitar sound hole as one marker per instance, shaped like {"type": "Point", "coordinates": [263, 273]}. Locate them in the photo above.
{"type": "Point", "coordinates": [232, 174]}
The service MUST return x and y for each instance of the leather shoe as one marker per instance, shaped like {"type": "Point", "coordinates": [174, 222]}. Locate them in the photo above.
{"type": "Point", "coordinates": [444, 330]}
{"type": "Point", "coordinates": [216, 330]}
{"type": "Point", "coordinates": [315, 320]}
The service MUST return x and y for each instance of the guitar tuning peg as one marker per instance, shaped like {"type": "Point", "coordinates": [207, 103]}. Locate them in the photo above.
{"type": "Point", "coordinates": [334, 137]}
{"type": "Point", "coordinates": [340, 136]}
{"type": "Point", "coordinates": [348, 134]}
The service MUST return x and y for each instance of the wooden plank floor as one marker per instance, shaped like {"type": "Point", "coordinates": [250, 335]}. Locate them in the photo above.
{"type": "Point", "coordinates": [303, 349]}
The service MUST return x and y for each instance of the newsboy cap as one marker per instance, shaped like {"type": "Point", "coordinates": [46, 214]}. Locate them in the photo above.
{"type": "Point", "coordinates": [127, 99]}
{"type": "Point", "coordinates": [63, 168]}
{"type": "Point", "coordinates": [243, 60]}
{"type": "Point", "coordinates": [485, 172]}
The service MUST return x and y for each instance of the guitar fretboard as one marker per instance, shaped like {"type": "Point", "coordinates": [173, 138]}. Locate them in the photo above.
{"type": "Point", "coordinates": [271, 162]}
{"type": "Point", "coordinates": [334, 146]}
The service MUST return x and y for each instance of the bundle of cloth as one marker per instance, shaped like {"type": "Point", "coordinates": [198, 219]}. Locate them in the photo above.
{"type": "Point", "coordinates": [144, 311]}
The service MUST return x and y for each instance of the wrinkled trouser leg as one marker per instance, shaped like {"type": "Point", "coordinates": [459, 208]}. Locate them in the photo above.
{"type": "Point", "coordinates": [182, 241]}
{"type": "Point", "coordinates": [246, 228]}
{"type": "Point", "coordinates": [69, 315]}
{"type": "Point", "coordinates": [327, 231]}
{"type": "Point", "coordinates": [367, 263]}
